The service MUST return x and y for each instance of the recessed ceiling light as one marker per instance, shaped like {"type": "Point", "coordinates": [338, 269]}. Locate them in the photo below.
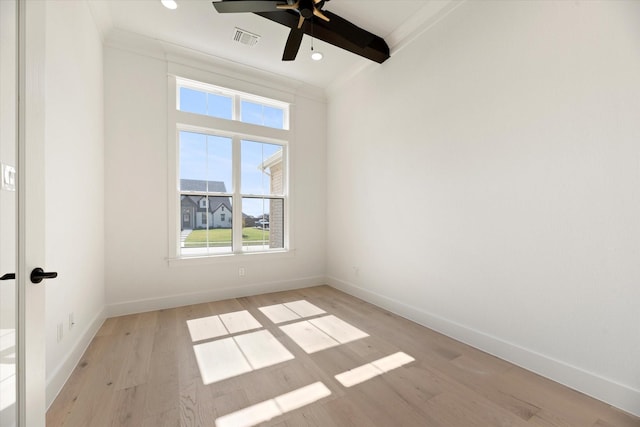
{"type": "Point", "coordinates": [169, 4]}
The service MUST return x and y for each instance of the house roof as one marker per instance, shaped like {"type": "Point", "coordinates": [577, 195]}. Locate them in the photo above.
{"type": "Point", "coordinates": [271, 161]}
{"type": "Point", "coordinates": [216, 202]}
{"type": "Point", "coordinates": [202, 186]}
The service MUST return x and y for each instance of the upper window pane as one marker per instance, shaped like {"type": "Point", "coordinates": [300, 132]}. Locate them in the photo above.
{"type": "Point", "coordinates": [210, 104]}
{"type": "Point", "coordinates": [193, 101]}
{"type": "Point", "coordinates": [205, 163]}
{"type": "Point", "coordinates": [264, 115]}
{"type": "Point", "coordinates": [262, 168]}
{"type": "Point", "coordinates": [219, 106]}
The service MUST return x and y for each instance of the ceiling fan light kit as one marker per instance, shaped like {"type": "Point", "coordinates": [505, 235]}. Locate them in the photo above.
{"type": "Point", "coordinates": [315, 55]}
{"type": "Point", "coordinates": [308, 17]}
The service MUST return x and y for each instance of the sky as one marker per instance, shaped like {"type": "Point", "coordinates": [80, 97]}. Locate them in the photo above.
{"type": "Point", "coordinates": [209, 157]}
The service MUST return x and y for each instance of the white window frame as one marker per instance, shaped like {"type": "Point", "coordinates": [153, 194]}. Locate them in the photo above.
{"type": "Point", "coordinates": [236, 130]}
{"type": "Point", "coordinates": [236, 99]}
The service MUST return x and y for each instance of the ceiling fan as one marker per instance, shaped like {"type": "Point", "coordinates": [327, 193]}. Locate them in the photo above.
{"type": "Point", "coordinates": [308, 17]}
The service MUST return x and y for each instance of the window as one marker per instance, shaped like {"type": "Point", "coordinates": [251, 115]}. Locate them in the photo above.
{"type": "Point", "coordinates": [231, 163]}
{"type": "Point", "coordinates": [211, 104]}
{"type": "Point", "coordinates": [259, 114]}
{"type": "Point", "coordinates": [198, 98]}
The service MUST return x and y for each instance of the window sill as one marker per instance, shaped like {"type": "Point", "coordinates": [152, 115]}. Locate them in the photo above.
{"type": "Point", "coordinates": [229, 258]}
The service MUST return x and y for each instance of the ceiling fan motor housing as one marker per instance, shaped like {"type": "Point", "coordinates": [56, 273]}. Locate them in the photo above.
{"type": "Point", "coordinates": [306, 8]}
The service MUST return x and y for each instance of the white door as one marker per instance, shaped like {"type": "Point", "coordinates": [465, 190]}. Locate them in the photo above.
{"type": "Point", "coordinates": [8, 295]}
{"type": "Point", "coordinates": [22, 348]}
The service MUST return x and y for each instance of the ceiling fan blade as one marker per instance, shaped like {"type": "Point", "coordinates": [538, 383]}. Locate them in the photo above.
{"type": "Point", "coordinates": [376, 50]}
{"type": "Point", "coordinates": [289, 6]}
{"type": "Point", "coordinates": [293, 44]}
{"type": "Point", "coordinates": [346, 29]}
{"type": "Point", "coordinates": [239, 6]}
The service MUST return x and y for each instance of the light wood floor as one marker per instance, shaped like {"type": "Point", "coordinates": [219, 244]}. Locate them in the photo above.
{"type": "Point", "coordinates": [141, 370]}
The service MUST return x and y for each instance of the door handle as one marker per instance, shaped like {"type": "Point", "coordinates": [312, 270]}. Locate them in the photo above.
{"type": "Point", "coordinates": [8, 276]}
{"type": "Point", "coordinates": [38, 274]}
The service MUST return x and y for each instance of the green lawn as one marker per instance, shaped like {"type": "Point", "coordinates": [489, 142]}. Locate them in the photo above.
{"type": "Point", "coordinates": [222, 237]}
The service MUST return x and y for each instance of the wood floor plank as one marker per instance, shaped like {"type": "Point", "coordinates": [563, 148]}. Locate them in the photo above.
{"type": "Point", "coordinates": [163, 383]}
{"type": "Point", "coordinates": [142, 370]}
{"type": "Point", "coordinates": [69, 394]}
{"type": "Point", "coordinates": [386, 407]}
{"type": "Point", "coordinates": [451, 409]}
{"type": "Point", "coordinates": [165, 332]}
{"type": "Point", "coordinates": [136, 366]}
{"type": "Point", "coordinates": [128, 405]}
{"type": "Point", "coordinates": [195, 405]}
{"type": "Point", "coordinates": [346, 413]}
{"type": "Point", "coordinates": [170, 418]}
{"type": "Point", "coordinates": [613, 417]}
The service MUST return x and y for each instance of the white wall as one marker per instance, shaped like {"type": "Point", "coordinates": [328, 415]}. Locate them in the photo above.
{"type": "Point", "coordinates": [74, 185]}
{"type": "Point", "coordinates": [508, 137]}
{"type": "Point", "coordinates": [138, 275]}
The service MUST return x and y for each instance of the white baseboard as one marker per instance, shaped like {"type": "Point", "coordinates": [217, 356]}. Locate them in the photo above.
{"type": "Point", "coordinates": [611, 392]}
{"type": "Point", "coordinates": [60, 375]}
{"type": "Point", "coordinates": [178, 300]}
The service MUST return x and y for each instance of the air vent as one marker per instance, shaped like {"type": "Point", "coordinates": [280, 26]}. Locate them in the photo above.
{"type": "Point", "coordinates": [245, 37]}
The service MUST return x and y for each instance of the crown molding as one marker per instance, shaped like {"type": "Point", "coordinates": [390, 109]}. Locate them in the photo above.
{"type": "Point", "coordinates": [174, 53]}
{"type": "Point", "coordinates": [426, 18]}
{"type": "Point", "coordinates": [101, 14]}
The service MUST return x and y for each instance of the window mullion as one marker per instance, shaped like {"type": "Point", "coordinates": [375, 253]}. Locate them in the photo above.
{"type": "Point", "coordinates": [206, 210]}
{"type": "Point", "coordinates": [236, 229]}
{"type": "Point", "coordinates": [236, 107]}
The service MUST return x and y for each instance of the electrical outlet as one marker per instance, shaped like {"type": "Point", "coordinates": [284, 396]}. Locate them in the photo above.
{"type": "Point", "coordinates": [72, 322]}
{"type": "Point", "coordinates": [60, 331]}
{"type": "Point", "coordinates": [241, 272]}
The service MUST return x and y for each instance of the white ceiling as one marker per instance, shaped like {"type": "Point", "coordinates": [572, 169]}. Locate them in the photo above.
{"type": "Point", "coordinates": [196, 25]}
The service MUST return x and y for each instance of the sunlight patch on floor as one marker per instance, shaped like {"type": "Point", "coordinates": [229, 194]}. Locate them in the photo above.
{"type": "Point", "coordinates": [307, 336]}
{"type": "Point", "coordinates": [228, 357]}
{"type": "Point", "coordinates": [322, 333]}
{"type": "Point", "coordinates": [264, 411]}
{"type": "Point", "coordinates": [370, 370]}
{"type": "Point", "coordinates": [210, 327]}
{"type": "Point", "coordinates": [262, 349]}
{"type": "Point", "coordinates": [338, 329]}
{"type": "Point", "coordinates": [280, 313]}
{"type": "Point", "coordinates": [239, 321]}
{"type": "Point", "coordinates": [304, 308]}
